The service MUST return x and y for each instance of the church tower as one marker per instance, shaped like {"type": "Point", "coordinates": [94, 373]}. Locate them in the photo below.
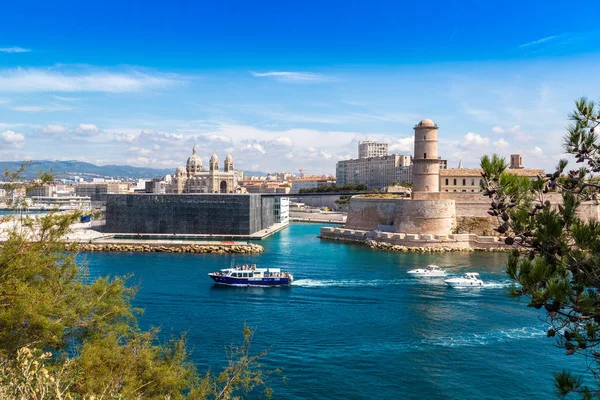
{"type": "Point", "coordinates": [426, 164]}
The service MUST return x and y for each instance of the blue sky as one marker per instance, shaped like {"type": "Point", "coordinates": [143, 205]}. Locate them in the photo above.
{"type": "Point", "coordinates": [289, 85]}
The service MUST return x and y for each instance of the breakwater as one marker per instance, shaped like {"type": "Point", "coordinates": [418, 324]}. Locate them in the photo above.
{"type": "Point", "coordinates": [424, 243]}
{"type": "Point", "coordinates": [223, 248]}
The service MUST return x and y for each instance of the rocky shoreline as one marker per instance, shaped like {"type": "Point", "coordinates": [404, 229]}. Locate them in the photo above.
{"type": "Point", "coordinates": [424, 249]}
{"type": "Point", "coordinates": [249, 248]}
{"type": "Point", "coordinates": [377, 245]}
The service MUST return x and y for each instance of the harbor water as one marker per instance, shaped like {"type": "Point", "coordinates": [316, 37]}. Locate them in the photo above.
{"type": "Point", "coordinates": [354, 325]}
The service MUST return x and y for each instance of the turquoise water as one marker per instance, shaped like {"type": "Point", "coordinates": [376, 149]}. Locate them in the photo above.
{"type": "Point", "coordinates": [354, 325]}
{"type": "Point", "coordinates": [10, 212]}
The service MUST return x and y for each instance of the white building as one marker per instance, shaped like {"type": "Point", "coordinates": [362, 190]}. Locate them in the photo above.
{"type": "Point", "coordinates": [370, 149]}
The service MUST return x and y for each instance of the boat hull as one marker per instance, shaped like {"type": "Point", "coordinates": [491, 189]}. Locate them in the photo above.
{"type": "Point", "coordinates": [455, 283]}
{"type": "Point", "coordinates": [428, 275]}
{"type": "Point", "coordinates": [232, 281]}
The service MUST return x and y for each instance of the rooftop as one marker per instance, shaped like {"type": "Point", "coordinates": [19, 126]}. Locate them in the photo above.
{"type": "Point", "coordinates": [476, 172]}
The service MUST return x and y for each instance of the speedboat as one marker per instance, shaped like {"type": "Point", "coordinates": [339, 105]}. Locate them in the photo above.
{"type": "Point", "coordinates": [428, 271]}
{"type": "Point", "coordinates": [249, 275]}
{"type": "Point", "coordinates": [469, 279]}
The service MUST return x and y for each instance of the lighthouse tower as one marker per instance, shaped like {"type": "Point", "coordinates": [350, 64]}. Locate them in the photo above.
{"type": "Point", "coordinates": [426, 165]}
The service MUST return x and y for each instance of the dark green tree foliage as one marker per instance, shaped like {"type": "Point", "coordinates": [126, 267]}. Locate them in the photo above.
{"type": "Point", "coordinates": [336, 189]}
{"type": "Point", "coordinates": [556, 263]}
{"type": "Point", "coordinates": [49, 304]}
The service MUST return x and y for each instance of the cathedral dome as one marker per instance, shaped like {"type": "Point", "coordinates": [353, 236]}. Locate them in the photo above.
{"type": "Point", "coordinates": [194, 163]}
{"type": "Point", "coordinates": [228, 159]}
{"type": "Point", "coordinates": [180, 170]}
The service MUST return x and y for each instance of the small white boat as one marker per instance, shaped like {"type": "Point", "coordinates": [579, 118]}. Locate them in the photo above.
{"type": "Point", "coordinates": [469, 279]}
{"type": "Point", "coordinates": [428, 271]}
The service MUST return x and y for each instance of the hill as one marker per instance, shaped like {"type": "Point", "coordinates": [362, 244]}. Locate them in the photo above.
{"type": "Point", "coordinates": [68, 169]}
{"type": "Point", "coordinates": [71, 168]}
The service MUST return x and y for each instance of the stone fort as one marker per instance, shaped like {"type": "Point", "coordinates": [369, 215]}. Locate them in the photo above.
{"type": "Point", "coordinates": [429, 212]}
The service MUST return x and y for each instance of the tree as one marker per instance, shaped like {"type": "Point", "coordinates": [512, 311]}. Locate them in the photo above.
{"type": "Point", "coordinates": [556, 262]}
{"type": "Point", "coordinates": [66, 335]}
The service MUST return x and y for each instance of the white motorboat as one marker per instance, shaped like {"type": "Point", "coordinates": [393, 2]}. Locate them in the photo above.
{"type": "Point", "coordinates": [469, 279]}
{"type": "Point", "coordinates": [428, 271]}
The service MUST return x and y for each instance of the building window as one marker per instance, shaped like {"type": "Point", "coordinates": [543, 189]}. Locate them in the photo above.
{"type": "Point", "coordinates": [446, 181]}
{"type": "Point", "coordinates": [464, 190]}
{"type": "Point", "coordinates": [472, 181]}
{"type": "Point", "coordinates": [425, 155]}
{"type": "Point", "coordinates": [454, 182]}
{"type": "Point", "coordinates": [464, 182]}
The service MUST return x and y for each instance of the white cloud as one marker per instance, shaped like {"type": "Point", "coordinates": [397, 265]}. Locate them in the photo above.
{"type": "Point", "coordinates": [501, 144]}
{"type": "Point", "coordinates": [498, 129]}
{"type": "Point", "coordinates": [404, 145]}
{"type": "Point", "coordinates": [284, 141]}
{"type": "Point", "coordinates": [87, 128]}
{"type": "Point", "coordinates": [14, 50]}
{"type": "Point", "coordinates": [54, 128]}
{"type": "Point", "coordinates": [41, 80]}
{"type": "Point", "coordinates": [49, 108]}
{"type": "Point", "coordinates": [297, 77]}
{"type": "Point", "coordinates": [255, 146]}
{"type": "Point", "coordinates": [474, 139]}
{"type": "Point", "coordinates": [14, 139]}
{"type": "Point", "coordinates": [537, 151]}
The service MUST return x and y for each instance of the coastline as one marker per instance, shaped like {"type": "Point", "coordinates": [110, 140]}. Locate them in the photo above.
{"type": "Point", "coordinates": [155, 247]}
{"type": "Point", "coordinates": [424, 243]}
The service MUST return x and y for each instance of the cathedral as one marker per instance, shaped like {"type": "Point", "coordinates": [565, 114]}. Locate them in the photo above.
{"type": "Point", "coordinates": [195, 179]}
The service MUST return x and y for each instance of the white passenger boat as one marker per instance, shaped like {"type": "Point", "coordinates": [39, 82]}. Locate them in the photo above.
{"type": "Point", "coordinates": [428, 271]}
{"type": "Point", "coordinates": [469, 279]}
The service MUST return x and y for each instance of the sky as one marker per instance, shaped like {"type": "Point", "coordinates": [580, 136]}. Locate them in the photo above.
{"type": "Point", "coordinates": [289, 85]}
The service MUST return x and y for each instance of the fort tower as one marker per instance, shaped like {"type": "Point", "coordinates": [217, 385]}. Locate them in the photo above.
{"type": "Point", "coordinates": [426, 164]}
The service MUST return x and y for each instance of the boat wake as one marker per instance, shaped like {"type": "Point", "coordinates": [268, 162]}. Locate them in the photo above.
{"type": "Point", "coordinates": [315, 283]}
{"type": "Point", "coordinates": [498, 285]}
{"type": "Point", "coordinates": [475, 339]}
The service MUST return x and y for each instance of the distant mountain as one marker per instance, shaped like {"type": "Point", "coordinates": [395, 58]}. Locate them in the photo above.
{"type": "Point", "coordinates": [69, 169]}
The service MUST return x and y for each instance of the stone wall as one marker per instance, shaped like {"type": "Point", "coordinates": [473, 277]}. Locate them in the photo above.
{"type": "Point", "coordinates": [369, 213]}
{"type": "Point", "coordinates": [425, 216]}
{"type": "Point", "coordinates": [221, 214]}
{"type": "Point", "coordinates": [401, 215]}
{"type": "Point", "coordinates": [414, 242]}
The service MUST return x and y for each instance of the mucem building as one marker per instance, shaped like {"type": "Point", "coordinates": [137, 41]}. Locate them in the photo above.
{"type": "Point", "coordinates": [218, 214]}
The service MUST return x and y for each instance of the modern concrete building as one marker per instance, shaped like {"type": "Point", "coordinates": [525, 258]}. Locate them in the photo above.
{"type": "Point", "coordinates": [209, 214]}
{"type": "Point", "coordinates": [194, 178]}
{"type": "Point", "coordinates": [43, 191]}
{"type": "Point", "coordinates": [375, 172]}
{"type": "Point", "coordinates": [426, 164]}
{"type": "Point", "coordinates": [98, 191]}
{"type": "Point", "coordinates": [370, 149]}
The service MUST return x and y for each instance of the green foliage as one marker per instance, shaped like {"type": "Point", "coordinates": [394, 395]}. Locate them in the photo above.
{"type": "Point", "coordinates": [67, 336]}
{"type": "Point", "coordinates": [336, 189]}
{"type": "Point", "coordinates": [558, 267]}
